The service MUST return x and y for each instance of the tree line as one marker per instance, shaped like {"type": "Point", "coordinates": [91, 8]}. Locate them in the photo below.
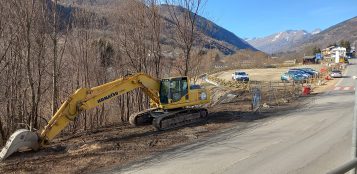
{"type": "Point", "coordinates": [47, 51]}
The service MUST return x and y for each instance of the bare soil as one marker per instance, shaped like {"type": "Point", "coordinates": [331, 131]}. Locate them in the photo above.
{"type": "Point", "coordinates": [112, 146]}
{"type": "Point", "coordinates": [120, 145]}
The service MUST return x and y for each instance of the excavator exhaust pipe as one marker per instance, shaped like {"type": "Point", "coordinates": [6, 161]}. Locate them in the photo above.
{"type": "Point", "coordinates": [20, 140]}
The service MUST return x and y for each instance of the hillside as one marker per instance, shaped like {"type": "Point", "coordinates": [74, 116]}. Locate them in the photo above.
{"type": "Point", "coordinates": [212, 35]}
{"type": "Point", "coordinates": [346, 30]}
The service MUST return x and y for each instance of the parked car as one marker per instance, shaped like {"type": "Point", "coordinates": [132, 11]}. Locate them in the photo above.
{"type": "Point", "coordinates": [336, 74]}
{"type": "Point", "coordinates": [300, 73]}
{"type": "Point", "coordinates": [240, 76]}
{"type": "Point", "coordinates": [292, 76]}
{"type": "Point", "coordinates": [286, 77]}
{"type": "Point", "coordinates": [311, 70]}
{"type": "Point", "coordinates": [303, 72]}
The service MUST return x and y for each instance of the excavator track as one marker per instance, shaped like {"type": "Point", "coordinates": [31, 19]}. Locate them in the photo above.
{"type": "Point", "coordinates": [142, 118]}
{"type": "Point", "coordinates": [174, 119]}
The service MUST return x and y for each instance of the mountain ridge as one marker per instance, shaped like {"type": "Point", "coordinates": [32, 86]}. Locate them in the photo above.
{"type": "Point", "coordinates": [345, 30]}
{"type": "Point", "coordinates": [278, 41]}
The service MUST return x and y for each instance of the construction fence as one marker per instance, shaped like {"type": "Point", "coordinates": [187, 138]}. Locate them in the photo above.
{"type": "Point", "coordinates": [272, 93]}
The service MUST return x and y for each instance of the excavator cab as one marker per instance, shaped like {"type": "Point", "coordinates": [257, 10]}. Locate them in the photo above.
{"type": "Point", "coordinates": [173, 90]}
{"type": "Point", "coordinates": [177, 92]}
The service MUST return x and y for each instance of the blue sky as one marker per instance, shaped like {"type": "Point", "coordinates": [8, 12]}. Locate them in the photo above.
{"type": "Point", "coordinates": [259, 18]}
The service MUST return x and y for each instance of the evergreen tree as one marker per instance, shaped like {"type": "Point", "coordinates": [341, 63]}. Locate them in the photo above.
{"type": "Point", "coordinates": [346, 44]}
{"type": "Point", "coordinates": [316, 50]}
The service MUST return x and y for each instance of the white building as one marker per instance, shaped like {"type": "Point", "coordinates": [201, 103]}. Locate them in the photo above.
{"type": "Point", "coordinates": [337, 53]}
{"type": "Point", "coordinates": [341, 51]}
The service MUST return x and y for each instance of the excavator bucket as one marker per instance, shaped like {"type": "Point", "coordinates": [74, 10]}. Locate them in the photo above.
{"type": "Point", "coordinates": [21, 140]}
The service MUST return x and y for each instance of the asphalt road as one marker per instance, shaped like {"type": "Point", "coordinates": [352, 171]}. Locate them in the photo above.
{"type": "Point", "coordinates": [314, 139]}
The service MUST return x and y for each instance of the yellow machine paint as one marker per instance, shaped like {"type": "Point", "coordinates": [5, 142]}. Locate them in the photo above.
{"type": "Point", "coordinates": [166, 94]}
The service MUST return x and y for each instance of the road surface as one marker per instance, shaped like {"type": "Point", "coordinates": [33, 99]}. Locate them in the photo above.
{"type": "Point", "coordinates": [315, 139]}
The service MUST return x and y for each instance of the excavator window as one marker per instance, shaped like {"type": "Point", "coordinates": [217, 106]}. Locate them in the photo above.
{"type": "Point", "coordinates": [173, 89]}
{"type": "Point", "coordinates": [164, 91]}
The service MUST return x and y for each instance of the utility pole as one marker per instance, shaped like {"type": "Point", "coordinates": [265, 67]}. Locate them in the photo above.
{"type": "Point", "coordinates": [354, 130]}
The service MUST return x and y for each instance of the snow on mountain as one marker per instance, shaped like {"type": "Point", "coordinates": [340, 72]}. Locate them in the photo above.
{"type": "Point", "coordinates": [278, 41]}
{"type": "Point", "coordinates": [316, 31]}
{"type": "Point", "coordinates": [292, 40]}
{"type": "Point", "coordinates": [276, 37]}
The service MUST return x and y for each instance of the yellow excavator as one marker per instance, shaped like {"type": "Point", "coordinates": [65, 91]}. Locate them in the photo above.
{"type": "Point", "coordinates": [174, 102]}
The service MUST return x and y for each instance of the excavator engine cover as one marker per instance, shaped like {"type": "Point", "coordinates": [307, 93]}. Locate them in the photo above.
{"type": "Point", "coordinates": [20, 140]}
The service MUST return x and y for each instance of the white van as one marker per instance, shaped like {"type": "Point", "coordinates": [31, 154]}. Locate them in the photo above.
{"type": "Point", "coordinates": [240, 76]}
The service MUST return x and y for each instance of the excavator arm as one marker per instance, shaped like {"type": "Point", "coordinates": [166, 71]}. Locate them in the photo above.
{"type": "Point", "coordinates": [83, 99]}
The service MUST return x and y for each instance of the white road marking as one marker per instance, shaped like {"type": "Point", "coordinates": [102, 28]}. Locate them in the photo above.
{"type": "Point", "coordinates": [346, 88]}
{"type": "Point", "coordinates": [337, 88]}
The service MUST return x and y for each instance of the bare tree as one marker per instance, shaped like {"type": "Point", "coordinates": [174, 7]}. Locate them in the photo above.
{"type": "Point", "coordinates": [185, 27]}
{"type": "Point", "coordinates": [38, 69]}
{"type": "Point", "coordinates": [155, 31]}
{"type": "Point", "coordinates": [55, 74]}
{"type": "Point", "coordinates": [138, 42]}
{"type": "Point", "coordinates": [23, 63]}
{"type": "Point", "coordinates": [133, 36]}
